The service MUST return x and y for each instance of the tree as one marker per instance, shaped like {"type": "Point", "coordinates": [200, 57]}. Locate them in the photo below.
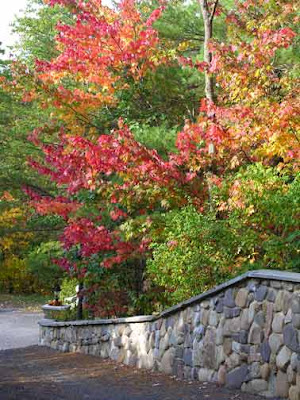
{"type": "Point", "coordinates": [115, 192]}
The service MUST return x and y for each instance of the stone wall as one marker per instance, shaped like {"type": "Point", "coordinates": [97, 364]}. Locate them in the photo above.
{"type": "Point", "coordinates": [244, 334]}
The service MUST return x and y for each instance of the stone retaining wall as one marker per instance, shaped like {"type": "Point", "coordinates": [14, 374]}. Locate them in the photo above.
{"type": "Point", "coordinates": [244, 333]}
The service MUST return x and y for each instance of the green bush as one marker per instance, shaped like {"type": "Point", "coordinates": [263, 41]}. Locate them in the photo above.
{"type": "Point", "coordinates": [41, 266]}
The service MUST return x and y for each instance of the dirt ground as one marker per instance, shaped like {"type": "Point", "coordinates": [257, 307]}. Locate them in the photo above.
{"type": "Point", "coordinates": [39, 373]}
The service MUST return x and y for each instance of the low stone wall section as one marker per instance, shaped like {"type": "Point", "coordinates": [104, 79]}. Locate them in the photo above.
{"type": "Point", "coordinates": [244, 334]}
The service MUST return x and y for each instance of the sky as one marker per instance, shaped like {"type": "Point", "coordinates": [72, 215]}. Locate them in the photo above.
{"type": "Point", "coordinates": [8, 9]}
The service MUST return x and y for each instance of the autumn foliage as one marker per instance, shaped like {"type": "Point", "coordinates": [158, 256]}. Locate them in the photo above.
{"type": "Point", "coordinates": [115, 191]}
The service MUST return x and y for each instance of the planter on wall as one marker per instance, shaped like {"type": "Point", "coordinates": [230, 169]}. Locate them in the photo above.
{"type": "Point", "coordinates": [54, 312]}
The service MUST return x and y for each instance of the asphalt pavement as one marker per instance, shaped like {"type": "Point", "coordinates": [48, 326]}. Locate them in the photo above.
{"type": "Point", "coordinates": [18, 328]}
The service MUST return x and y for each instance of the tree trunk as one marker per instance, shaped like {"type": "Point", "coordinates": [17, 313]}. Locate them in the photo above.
{"type": "Point", "coordinates": [80, 301]}
{"type": "Point", "coordinates": [208, 16]}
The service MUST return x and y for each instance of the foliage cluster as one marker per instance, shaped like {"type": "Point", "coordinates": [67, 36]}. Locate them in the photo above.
{"type": "Point", "coordinates": [153, 198]}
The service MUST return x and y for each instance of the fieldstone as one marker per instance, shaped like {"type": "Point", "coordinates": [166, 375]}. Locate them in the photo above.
{"type": "Point", "coordinates": [220, 355]}
{"type": "Point", "coordinates": [232, 312]}
{"type": "Point", "coordinates": [252, 286]}
{"type": "Point", "coordinates": [259, 319]}
{"type": "Point", "coordinates": [198, 355]}
{"type": "Point", "coordinates": [255, 370]}
{"type": "Point", "coordinates": [287, 298]}
{"type": "Point", "coordinates": [105, 337]}
{"type": "Point", "coordinates": [269, 318]}
{"type": "Point", "coordinates": [291, 375]}
{"type": "Point", "coordinates": [278, 322]}
{"type": "Point", "coordinates": [295, 362]}
{"type": "Point", "coordinates": [229, 299]}
{"type": "Point", "coordinates": [188, 341]}
{"type": "Point", "coordinates": [168, 360]}
{"type": "Point", "coordinates": [290, 338]}
{"type": "Point", "coordinates": [245, 348]}
{"type": "Point", "coordinates": [294, 393]}
{"type": "Point", "coordinates": [265, 371]}
{"type": "Point", "coordinates": [232, 326]}
{"type": "Point", "coordinates": [288, 286]}
{"type": "Point", "coordinates": [275, 342]}
{"type": "Point", "coordinates": [213, 318]}
{"type": "Point", "coordinates": [296, 321]}
{"type": "Point", "coordinates": [204, 317]}
{"type": "Point", "coordinates": [237, 377]}
{"type": "Point", "coordinates": [283, 358]}
{"type": "Point", "coordinates": [255, 334]}
{"type": "Point", "coordinates": [222, 375]}
{"type": "Point", "coordinates": [220, 305]}
{"type": "Point", "coordinates": [296, 303]}
{"type": "Point", "coordinates": [265, 351]}
{"type": "Point", "coordinates": [205, 304]}
{"type": "Point", "coordinates": [173, 338]}
{"type": "Point", "coordinates": [179, 352]}
{"type": "Point", "coordinates": [254, 354]}
{"type": "Point", "coordinates": [233, 361]}
{"type": "Point", "coordinates": [197, 318]}
{"type": "Point", "coordinates": [209, 348]}
{"type": "Point", "coordinates": [199, 332]}
{"type": "Point", "coordinates": [205, 375]}
{"type": "Point", "coordinates": [188, 357]}
{"type": "Point", "coordinates": [282, 385]}
{"type": "Point", "coordinates": [241, 337]}
{"type": "Point", "coordinates": [279, 301]}
{"type": "Point", "coordinates": [276, 284]}
{"type": "Point", "coordinates": [117, 341]}
{"type": "Point", "coordinates": [219, 335]}
{"type": "Point", "coordinates": [255, 386]}
{"type": "Point", "coordinates": [236, 347]}
{"type": "Point", "coordinates": [288, 317]}
{"type": "Point", "coordinates": [271, 296]}
{"type": "Point", "coordinates": [261, 293]}
{"type": "Point", "coordinates": [253, 310]}
{"type": "Point", "coordinates": [227, 346]}
{"type": "Point", "coordinates": [245, 323]}
{"type": "Point", "coordinates": [242, 297]}
{"type": "Point", "coordinates": [65, 347]}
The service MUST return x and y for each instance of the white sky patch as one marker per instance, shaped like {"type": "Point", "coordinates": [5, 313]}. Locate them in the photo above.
{"type": "Point", "coordinates": [8, 10]}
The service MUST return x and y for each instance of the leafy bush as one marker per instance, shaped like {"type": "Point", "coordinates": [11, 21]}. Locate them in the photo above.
{"type": "Point", "coordinates": [15, 277]}
{"type": "Point", "coordinates": [68, 288]}
{"type": "Point", "coordinates": [41, 266]}
{"type": "Point", "coordinates": [254, 225]}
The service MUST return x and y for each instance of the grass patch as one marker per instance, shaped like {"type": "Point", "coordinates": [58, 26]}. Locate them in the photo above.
{"type": "Point", "coordinates": [29, 302]}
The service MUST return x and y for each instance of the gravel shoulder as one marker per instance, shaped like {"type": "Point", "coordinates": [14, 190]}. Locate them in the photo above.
{"type": "Point", "coordinates": [39, 373]}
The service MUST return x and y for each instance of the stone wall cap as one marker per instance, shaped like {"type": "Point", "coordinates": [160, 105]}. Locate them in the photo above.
{"type": "Point", "coordinates": [129, 320]}
{"type": "Point", "coordinates": [258, 274]}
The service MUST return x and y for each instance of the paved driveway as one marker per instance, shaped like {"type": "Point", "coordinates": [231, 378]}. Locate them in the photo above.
{"type": "Point", "coordinates": [18, 328]}
{"type": "Point", "coordinates": [39, 373]}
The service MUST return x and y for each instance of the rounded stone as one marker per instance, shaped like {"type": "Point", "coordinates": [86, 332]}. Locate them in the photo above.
{"type": "Point", "coordinates": [294, 393]}
{"type": "Point", "coordinates": [296, 321]}
{"type": "Point", "coordinates": [265, 371]}
{"type": "Point", "coordinates": [242, 297]}
{"type": "Point", "coordinates": [256, 386]}
{"type": "Point", "coordinates": [275, 342]}
{"type": "Point", "coordinates": [282, 385]}
{"type": "Point", "coordinates": [222, 375]}
{"type": "Point", "coordinates": [283, 358]}
{"type": "Point", "coordinates": [278, 321]}
{"type": "Point", "coordinates": [291, 375]}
